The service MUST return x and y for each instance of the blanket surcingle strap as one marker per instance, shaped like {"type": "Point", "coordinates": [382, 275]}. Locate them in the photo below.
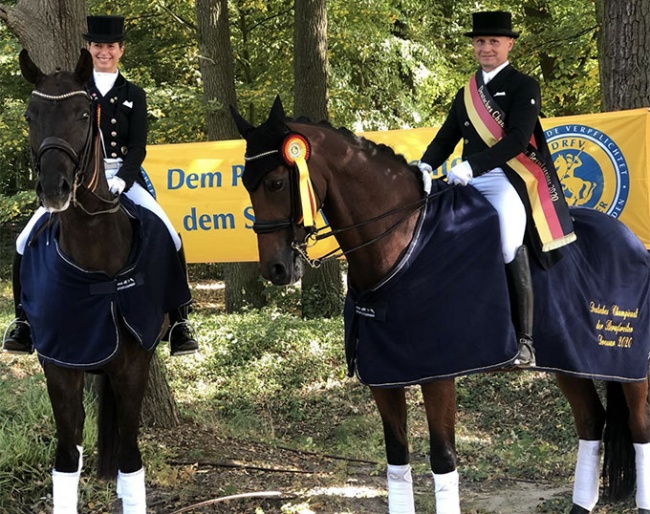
{"type": "Point", "coordinates": [549, 211]}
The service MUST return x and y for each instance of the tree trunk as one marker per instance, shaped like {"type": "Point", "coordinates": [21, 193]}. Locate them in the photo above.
{"type": "Point", "coordinates": [159, 408]}
{"type": "Point", "coordinates": [624, 54]}
{"type": "Point", "coordinates": [243, 286]}
{"type": "Point", "coordinates": [50, 30]}
{"type": "Point", "coordinates": [322, 287]}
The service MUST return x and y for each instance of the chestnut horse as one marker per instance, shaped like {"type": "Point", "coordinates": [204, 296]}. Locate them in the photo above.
{"type": "Point", "coordinates": [374, 203]}
{"type": "Point", "coordinates": [93, 235]}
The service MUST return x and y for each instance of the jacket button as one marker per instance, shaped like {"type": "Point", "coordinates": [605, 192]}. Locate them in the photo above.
{"type": "Point", "coordinates": [465, 140]}
{"type": "Point", "coordinates": [113, 143]}
{"type": "Point", "coordinates": [467, 123]}
{"type": "Point", "coordinates": [124, 150]}
{"type": "Point", "coordinates": [113, 121]}
{"type": "Point", "coordinates": [114, 134]}
{"type": "Point", "coordinates": [113, 154]}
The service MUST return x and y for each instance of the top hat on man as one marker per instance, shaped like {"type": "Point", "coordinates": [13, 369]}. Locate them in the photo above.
{"type": "Point", "coordinates": [492, 23]}
{"type": "Point", "coordinates": [105, 29]}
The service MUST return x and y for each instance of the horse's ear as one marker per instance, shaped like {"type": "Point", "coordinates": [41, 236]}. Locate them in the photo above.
{"type": "Point", "coordinates": [84, 69]}
{"type": "Point", "coordinates": [30, 71]}
{"type": "Point", "coordinates": [277, 111]}
{"type": "Point", "coordinates": [243, 126]}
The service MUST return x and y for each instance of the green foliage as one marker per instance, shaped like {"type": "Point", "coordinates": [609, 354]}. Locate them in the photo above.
{"type": "Point", "coordinates": [392, 64]}
{"type": "Point", "coordinates": [15, 207]}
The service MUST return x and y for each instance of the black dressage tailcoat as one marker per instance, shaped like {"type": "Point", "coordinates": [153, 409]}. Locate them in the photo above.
{"type": "Point", "coordinates": [123, 124]}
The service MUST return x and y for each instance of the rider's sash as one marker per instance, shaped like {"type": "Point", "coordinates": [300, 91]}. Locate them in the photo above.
{"type": "Point", "coordinates": [549, 210]}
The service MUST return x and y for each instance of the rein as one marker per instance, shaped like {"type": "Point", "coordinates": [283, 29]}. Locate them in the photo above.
{"type": "Point", "coordinates": [313, 237]}
{"type": "Point", "coordinates": [81, 163]}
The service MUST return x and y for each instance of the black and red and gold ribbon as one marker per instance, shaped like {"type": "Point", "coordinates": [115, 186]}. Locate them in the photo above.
{"type": "Point", "coordinates": [549, 211]}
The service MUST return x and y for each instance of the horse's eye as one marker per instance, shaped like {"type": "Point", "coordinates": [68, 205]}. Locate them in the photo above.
{"type": "Point", "coordinates": [275, 185]}
{"type": "Point", "coordinates": [85, 115]}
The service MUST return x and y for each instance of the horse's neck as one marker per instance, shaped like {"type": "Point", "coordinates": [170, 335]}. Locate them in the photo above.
{"type": "Point", "coordinates": [100, 243]}
{"type": "Point", "coordinates": [365, 195]}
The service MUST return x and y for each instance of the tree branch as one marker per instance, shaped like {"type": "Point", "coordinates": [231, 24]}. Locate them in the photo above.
{"type": "Point", "coordinates": [267, 494]}
{"type": "Point", "coordinates": [238, 466]}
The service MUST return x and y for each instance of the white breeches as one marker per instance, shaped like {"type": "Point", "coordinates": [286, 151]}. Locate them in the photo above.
{"type": "Point", "coordinates": [498, 190]}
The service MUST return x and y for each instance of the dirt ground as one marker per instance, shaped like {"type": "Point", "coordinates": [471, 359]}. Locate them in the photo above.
{"type": "Point", "coordinates": [232, 476]}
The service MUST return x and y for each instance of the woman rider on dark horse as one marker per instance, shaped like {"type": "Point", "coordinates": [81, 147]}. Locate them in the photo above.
{"type": "Point", "coordinates": [123, 130]}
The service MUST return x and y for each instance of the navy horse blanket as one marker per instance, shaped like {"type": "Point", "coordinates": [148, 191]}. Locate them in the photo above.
{"type": "Point", "coordinates": [444, 310]}
{"type": "Point", "coordinates": [74, 312]}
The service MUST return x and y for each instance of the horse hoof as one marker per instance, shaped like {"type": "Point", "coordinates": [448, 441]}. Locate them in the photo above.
{"type": "Point", "coordinates": [577, 509]}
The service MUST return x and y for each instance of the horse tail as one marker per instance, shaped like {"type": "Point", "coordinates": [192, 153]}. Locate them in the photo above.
{"type": "Point", "coordinates": [619, 471]}
{"type": "Point", "coordinates": [108, 437]}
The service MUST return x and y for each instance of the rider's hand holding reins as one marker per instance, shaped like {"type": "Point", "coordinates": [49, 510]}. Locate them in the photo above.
{"type": "Point", "coordinates": [116, 185]}
{"type": "Point", "coordinates": [460, 174]}
{"type": "Point", "coordinates": [426, 170]}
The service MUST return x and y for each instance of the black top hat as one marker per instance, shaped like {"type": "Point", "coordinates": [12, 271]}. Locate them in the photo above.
{"type": "Point", "coordinates": [492, 23]}
{"type": "Point", "coordinates": [105, 29]}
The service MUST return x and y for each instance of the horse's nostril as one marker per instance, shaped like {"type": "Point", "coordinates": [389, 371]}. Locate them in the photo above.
{"type": "Point", "coordinates": [278, 274]}
{"type": "Point", "coordinates": [65, 187]}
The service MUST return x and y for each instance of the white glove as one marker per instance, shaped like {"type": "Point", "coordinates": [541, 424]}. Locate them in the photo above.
{"type": "Point", "coordinates": [116, 185]}
{"type": "Point", "coordinates": [426, 170]}
{"type": "Point", "coordinates": [460, 174]}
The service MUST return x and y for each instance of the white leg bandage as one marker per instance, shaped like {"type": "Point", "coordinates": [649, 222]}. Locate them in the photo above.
{"type": "Point", "coordinates": [64, 492]}
{"type": "Point", "coordinates": [642, 459]}
{"type": "Point", "coordinates": [400, 489]}
{"type": "Point", "coordinates": [65, 487]}
{"type": "Point", "coordinates": [586, 483]}
{"type": "Point", "coordinates": [131, 489]}
{"type": "Point", "coordinates": [447, 496]}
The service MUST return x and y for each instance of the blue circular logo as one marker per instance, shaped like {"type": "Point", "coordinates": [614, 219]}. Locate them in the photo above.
{"type": "Point", "coordinates": [591, 168]}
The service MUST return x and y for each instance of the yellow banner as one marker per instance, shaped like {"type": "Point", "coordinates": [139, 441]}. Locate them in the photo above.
{"type": "Point", "coordinates": [602, 160]}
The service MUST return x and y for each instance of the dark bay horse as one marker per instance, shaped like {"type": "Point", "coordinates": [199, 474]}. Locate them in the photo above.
{"type": "Point", "coordinates": [589, 305]}
{"type": "Point", "coordinates": [94, 236]}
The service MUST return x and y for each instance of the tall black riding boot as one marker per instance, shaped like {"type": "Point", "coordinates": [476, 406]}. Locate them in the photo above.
{"type": "Point", "coordinates": [19, 339]}
{"type": "Point", "coordinates": [520, 286]}
{"type": "Point", "coordinates": [181, 334]}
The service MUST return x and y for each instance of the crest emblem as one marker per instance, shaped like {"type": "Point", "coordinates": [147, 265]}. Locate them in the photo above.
{"type": "Point", "coordinates": [591, 168]}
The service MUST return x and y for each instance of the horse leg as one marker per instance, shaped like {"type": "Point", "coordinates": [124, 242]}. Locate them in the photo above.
{"type": "Point", "coordinates": [589, 418]}
{"type": "Point", "coordinates": [636, 397]}
{"type": "Point", "coordinates": [392, 409]}
{"type": "Point", "coordinates": [65, 389]}
{"type": "Point", "coordinates": [129, 386]}
{"type": "Point", "coordinates": [440, 404]}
